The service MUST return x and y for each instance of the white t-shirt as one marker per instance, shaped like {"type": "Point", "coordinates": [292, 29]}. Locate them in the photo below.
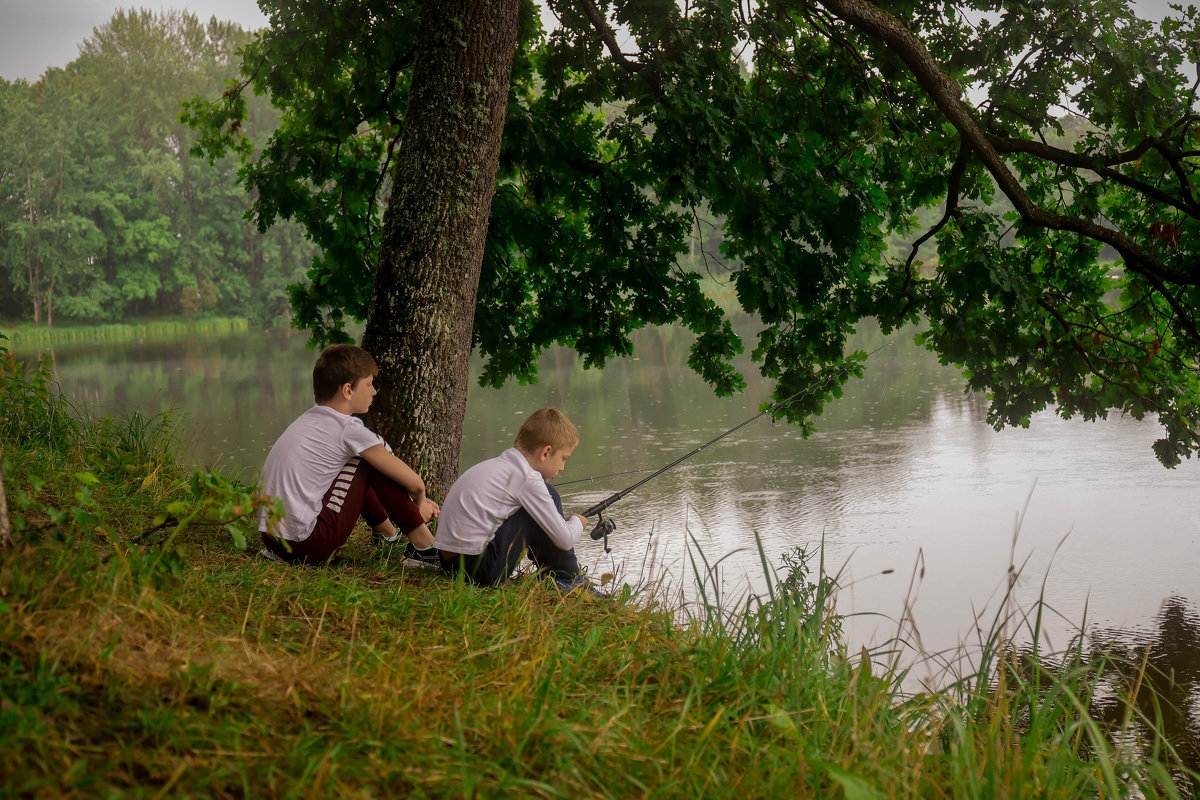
{"type": "Point", "coordinates": [304, 461]}
{"type": "Point", "coordinates": [491, 492]}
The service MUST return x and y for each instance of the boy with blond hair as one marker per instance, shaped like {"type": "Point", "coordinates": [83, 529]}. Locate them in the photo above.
{"type": "Point", "coordinates": [503, 507]}
{"type": "Point", "coordinates": [327, 468]}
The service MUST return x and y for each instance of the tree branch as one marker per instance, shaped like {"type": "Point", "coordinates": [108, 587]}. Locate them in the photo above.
{"type": "Point", "coordinates": [588, 7]}
{"type": "Point", "coordinates": [947, 96]}
{"type": "Point", "coordinates": [1088, 357]}
{"type": "Point", "coordinates": [953, 184]}
{"type": "Point", "coordinates": [5, 527]}
{"type": "Point", "coordinates": [1102, 165]}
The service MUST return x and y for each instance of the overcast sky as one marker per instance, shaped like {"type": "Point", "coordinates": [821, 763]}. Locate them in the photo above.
{"type": "Point", "coordinates": [36, 34]}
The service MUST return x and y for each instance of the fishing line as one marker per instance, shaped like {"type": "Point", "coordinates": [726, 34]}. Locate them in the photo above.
{"type": "Point", "coordinates": [606, 526]}
{"type": "Point", "coordinates": [602, 477]}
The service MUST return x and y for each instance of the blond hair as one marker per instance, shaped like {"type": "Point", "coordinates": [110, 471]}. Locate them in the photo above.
{"type": "Point", "coordinates": [546, 426]}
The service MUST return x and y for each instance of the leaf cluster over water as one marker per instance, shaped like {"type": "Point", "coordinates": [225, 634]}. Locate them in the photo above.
{"type": "Point", "coordinates": [1017, 177]}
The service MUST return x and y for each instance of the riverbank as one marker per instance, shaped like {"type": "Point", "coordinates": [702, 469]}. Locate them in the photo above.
{"type": "Point", "coordinates": [22, 335]}
{"type": "Point", "coordinates": [145, 652]}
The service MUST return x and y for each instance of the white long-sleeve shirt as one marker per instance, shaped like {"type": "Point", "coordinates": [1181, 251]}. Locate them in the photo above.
{"type": "Point", "coordinates": [491, 492]}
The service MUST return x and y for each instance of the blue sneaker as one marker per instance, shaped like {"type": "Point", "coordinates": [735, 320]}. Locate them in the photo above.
{"type": "Point", "coordinates": [579, 583]}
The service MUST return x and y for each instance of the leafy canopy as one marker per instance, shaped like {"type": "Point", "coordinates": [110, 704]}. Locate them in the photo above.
{"type": "Point", "coordinates": [1034, 160]}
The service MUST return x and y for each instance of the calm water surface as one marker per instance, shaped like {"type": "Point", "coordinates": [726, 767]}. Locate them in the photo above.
{"type": "Point", "coordinates": [919, 505]}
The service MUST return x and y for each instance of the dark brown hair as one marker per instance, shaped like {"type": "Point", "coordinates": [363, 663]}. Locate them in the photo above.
{"type": "Point", "coordinates": [338, 365]}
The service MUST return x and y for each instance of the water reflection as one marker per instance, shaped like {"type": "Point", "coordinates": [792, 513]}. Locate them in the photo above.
{"type": "Point", "coordinates": [237, 393]}
{"type": "Point", "coordinates": [1160, 670]}
{"type": "Point", "coordinates": [1150, 683]}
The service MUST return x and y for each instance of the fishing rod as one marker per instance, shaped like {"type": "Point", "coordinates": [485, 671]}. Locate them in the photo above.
{"type": "Point", "coordinates": [606, 526]}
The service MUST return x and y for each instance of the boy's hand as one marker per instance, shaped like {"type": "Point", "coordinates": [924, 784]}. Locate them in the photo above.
{"type": "Point", "coordinates": [429, 509]}
{"type": "Point", "coordinates": [582, 519]}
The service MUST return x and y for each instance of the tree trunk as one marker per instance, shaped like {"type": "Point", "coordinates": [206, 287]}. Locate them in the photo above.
{"type": "Point", "coordinates": [32, 281]}
{"type": "Point", "coordinates": [423, 304]}
{"type": "Point", "coordinates": [5, 527]}
{"type": "Point", "coordinates": [30, 277]}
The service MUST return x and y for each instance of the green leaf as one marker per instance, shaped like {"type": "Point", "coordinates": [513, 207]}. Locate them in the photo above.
{"type": "Point", "coordinates": [854, 787]}
{"type": "Point", "coordinates": [239, 538]}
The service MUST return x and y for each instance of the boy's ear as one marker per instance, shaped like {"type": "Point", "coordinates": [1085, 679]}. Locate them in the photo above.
{"type": "Point", "coordinates": [544, 452]}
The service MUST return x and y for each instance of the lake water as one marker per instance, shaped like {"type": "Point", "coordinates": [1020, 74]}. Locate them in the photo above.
{"type": "Point", "coordinates": [919, 505]}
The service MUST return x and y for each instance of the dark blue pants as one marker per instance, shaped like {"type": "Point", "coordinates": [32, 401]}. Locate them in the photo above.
{"type": "Point", "coordinates": [515, 536]}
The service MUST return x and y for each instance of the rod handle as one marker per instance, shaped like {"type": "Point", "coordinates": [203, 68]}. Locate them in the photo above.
{"type": "Point", "coordinates": [603, 504]}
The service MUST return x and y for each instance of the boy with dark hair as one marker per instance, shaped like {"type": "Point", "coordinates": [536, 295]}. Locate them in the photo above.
{"type": "Point", "coordinates": [327, 468]}
{"type": "Point", "coordinates": [501, 508]}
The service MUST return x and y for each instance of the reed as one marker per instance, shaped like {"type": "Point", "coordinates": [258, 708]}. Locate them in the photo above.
{"type": "Point", "coordinates": [156, 329]}
{"type": "Point", "coordinates": [174, 664]}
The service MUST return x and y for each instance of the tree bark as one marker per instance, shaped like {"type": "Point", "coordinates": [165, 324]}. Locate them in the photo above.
{"type": "Point", "coordinates": [423, 304]}
{"type": "Point", "coordinates": [5, 527]}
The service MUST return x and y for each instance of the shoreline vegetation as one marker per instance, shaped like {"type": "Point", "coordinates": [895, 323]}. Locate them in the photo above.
{"type": "Point", "coordinates": [20, 335]}
{"type": "Point", "coordinates": [24, 334]}
{"type": "Point", "coordinates": [148, 652]}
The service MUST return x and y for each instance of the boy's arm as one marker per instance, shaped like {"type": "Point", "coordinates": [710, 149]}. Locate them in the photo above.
{"type": "Point", "coordinates": [387, 463]}
{"type": "Point", "coordinates": [534, 498]}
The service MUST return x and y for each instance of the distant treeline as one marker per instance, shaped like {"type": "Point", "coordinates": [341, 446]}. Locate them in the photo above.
{"type": "Point", "coordinates": [104, 215]}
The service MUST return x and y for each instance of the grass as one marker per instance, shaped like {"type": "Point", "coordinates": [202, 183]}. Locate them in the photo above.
{"type": "Point", "coordinates": [62, 334]}
{"type": "Point", "coordinates": [144, 654]}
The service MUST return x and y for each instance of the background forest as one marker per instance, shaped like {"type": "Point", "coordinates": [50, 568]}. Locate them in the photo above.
{"type": "Point", "coordinates": [104, 215]}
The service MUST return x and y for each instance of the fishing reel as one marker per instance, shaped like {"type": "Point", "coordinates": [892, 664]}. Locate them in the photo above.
{"type": "Point", "coordinates": [603, 528]}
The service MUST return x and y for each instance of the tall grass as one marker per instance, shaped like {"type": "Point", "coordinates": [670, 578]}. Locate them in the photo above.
{"type": "Point", "coordinates": [42, 423]}
{"type": "Point", "coordinates": [33, 414]}
{"type": "Point", "coordinates": [155, 660]}
{"type": "Point", "coordinates": [61, 334]}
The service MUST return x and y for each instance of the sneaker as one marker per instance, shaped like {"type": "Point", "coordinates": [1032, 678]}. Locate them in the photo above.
{"type": "Point", "coordinates": [429, 555]}
{"type": "Point", "coordinates": [379, 540]}
{"type": "Point", "coordinates": [579, 583]}
{"type": "Point", "coordinates": [271, 555]}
